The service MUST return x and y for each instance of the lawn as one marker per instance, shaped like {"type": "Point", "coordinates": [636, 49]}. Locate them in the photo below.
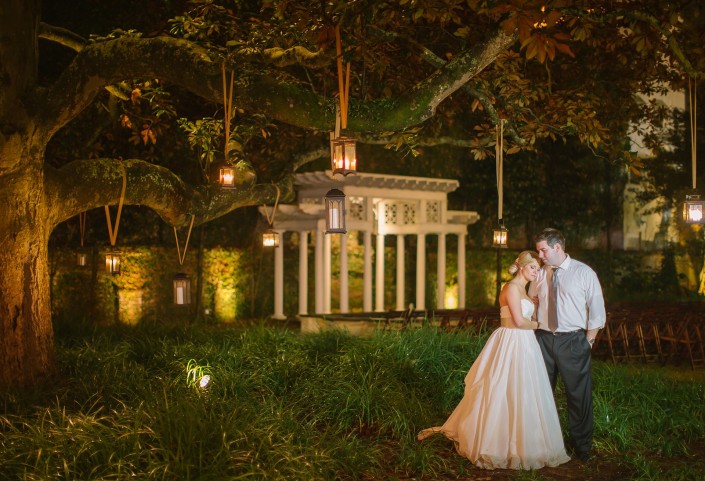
{"type": "Point", "coordinates": [284, 406]}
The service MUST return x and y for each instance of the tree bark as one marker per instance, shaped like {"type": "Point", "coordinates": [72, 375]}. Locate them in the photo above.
{"type": "Point", "coordinates": [26, 334]}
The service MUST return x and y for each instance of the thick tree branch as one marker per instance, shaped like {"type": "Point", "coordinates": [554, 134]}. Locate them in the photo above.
{"type": "Point", "coordinates": [285, 57]}
{"type": "Point", "coordinates": [86, 184]}
{"type": "Point", "coordinates": [62, 36]}
{"type": "Point", "coordinates": [432, 59]}
{"type": "Point", "coordinates": [190, 66]}
{"type": "Point", "coordinates": [77, 43]}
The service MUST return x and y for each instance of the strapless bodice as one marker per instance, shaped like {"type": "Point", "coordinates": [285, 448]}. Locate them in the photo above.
{"type": "Point", "coordinates": [527, 310]}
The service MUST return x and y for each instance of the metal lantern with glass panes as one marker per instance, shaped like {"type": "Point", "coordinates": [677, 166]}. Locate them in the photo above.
{"type": "Point", "coordinates": [81, 258]}
{"type": "Point", "coordinates": [227, 177]}
{"type": "Point", "coordinates": [693, 209]}
{"type": "Point", "coordinates": [343, 156]}
{"type": "Point", "coordinates": [499, 238]}
{"type": "Point", "coordinates": [270, 239]}
{"type": "Point", "coordinates": [182, 289]}
{"type": "Point", "coordinates": [335, 212]}
{"type": "Point", "coordinates": [112, 262]}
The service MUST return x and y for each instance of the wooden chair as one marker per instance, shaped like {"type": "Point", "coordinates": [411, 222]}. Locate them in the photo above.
{"type": "Point", "coordinates": [683, 337]}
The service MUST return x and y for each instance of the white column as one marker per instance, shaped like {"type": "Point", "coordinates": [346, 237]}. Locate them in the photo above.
{"type": "Point", "coordinates": [326, 274]}
{"type": "Point", "coordinates": [421, 271]}
{"type": "Point", "coordinates": [400, 272]}
{"type": "Point", "coordinates": [344, 299]}
{"type": "Point", "coordinates": [461, 271]}
{"type": "Point", "coordinates": [367, 273]}
{"type": "Point", "coordinates": [319, 269]}
{"type": "Point", "coordinates": [279, 278]}
{"type": "Point", "coordinates": [379, 274]}
{"type": "Point", "coordinates": [441, 293]}
{"type": "Point", "coordinates": [303, 272]}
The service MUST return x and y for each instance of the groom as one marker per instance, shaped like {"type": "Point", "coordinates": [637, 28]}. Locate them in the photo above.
{"type": "Point", "coordinates": [571, 310]}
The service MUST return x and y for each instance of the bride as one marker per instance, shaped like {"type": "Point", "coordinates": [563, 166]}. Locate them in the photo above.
{"type": "Point", "coordinates": [507, 417]}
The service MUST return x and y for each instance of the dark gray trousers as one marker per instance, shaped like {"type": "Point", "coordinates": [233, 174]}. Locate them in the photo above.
{"type": "Point", "coordinates": [568, 355]}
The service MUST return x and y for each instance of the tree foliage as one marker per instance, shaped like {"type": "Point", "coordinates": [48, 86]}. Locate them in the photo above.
{"type": "Point", "coordinates": [127, 98]}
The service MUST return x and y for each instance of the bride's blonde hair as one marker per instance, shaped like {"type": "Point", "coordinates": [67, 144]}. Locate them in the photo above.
{"type": "Point", "coordinates": [523, 259]}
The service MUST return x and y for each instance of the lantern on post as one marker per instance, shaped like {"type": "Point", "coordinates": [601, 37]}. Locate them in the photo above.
{"type": "Point", "coordinates": [342, 147]}
{"type": "Point", "coordinates": [112, 257]}
{"type": "Point", "coordinates": [271, 237]}
{"type": "Point", "coordinates": [693, 206]}
{"type": "Point", "coordinates": [82, 254]}
{"type": "Point", "coordinates": [335, 212]}
{"type": "Point", "coordinates": [181, 281]}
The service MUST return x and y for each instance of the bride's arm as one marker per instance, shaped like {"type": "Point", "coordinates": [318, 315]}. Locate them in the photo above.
{"type": "Point", "coordinates": [512, 296]}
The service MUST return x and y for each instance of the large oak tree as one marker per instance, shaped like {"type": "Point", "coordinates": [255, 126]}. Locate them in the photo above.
{"type": "Point", "coordinates": [419, 69]}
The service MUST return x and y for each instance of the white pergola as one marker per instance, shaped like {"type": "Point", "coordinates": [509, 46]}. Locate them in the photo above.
{"type": "Point", "coordinates": [376, 205]}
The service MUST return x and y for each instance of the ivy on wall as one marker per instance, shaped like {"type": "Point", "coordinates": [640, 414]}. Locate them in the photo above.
{"type": "Point", "coordinates": [238, 283]}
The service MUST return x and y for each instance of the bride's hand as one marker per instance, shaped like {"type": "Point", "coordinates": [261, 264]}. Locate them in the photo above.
{"type": "Point", "coordinates": [535, 300]}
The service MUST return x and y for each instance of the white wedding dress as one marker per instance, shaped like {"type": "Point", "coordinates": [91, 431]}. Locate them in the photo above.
{"type": "Point", "coordinates": [507, 417]}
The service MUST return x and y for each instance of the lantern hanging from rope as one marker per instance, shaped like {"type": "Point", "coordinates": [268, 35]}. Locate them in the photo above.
{"type": "Point", "coordinates": [693, 206]}
{"type": "Point", "coordinates": [271, 237]}
{"type": "Point", "coordinates": [335, 212]}
{"type": "Point", "coordinates": [342, 147]}
{"type": "Point", "coordinates": [82, 254]}
{"type": "Point", "coordinates": [500, 235]}
{"type": "Point", "coordinates": [181, 281]}
{"type": "Point", "coordinates": [112, 257]}
{"type": "Point", "coordinates": [227, 172]}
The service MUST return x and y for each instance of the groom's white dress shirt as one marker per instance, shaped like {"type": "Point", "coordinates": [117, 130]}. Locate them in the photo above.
{"type": "Point", "coordinates": [580, 303]}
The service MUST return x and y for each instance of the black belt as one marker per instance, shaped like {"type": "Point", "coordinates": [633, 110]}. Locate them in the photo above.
{"type": "Point", "coordinates": [562, 333]}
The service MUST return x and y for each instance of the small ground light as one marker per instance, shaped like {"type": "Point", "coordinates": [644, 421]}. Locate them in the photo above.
{"type": "Point", "coordinates": [204, 382]}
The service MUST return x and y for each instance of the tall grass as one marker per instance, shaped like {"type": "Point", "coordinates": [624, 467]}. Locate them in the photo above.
{"type": "Point", "coordinates": [281, 405]}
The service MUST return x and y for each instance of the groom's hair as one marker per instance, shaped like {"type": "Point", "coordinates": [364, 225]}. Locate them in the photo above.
{"type": "Point", "coordinates": [551, 236]}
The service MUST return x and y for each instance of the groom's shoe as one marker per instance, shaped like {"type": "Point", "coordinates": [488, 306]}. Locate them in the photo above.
{"type": "Point", "coordinates": [584, 457]}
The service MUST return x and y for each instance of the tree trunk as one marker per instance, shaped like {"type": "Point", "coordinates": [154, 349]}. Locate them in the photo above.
{"type": "Point", "coordinates": [26, 335]}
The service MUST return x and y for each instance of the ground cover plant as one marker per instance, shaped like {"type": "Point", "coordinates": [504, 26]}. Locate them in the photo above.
{"type": "Point", "coordinates": [281, 405]}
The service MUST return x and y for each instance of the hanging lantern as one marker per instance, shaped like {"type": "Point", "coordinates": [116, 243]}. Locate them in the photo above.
{"type": "Point", "coordinates": [112, 262]}
{"type": "Point", "coordinates": [335, 212]}
{"type": "Point", "coordinates": [693, 208]}
{"type": "Point", "coordinates": [112, 257]}
{"type": "Point", "coordinates": [81, 258]}
{"type": "Point", "coordinates": [82, 254]}
{"type": "Point", "coordinates": [227, 177]}
{"type": "Point", "coordinates": [270, 238]}
{"type": "Point", "coordinates": [343, 156]}
{"type": "Point", "coordinates": [342, 148]}
{"type": "Point", "coordinates": [499, 238]}
{"type": "Point", "coordinates": [182, 289]}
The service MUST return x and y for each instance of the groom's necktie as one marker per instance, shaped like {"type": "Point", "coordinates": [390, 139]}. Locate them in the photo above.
{"type": "Point", "coordinates": [553, 300]}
